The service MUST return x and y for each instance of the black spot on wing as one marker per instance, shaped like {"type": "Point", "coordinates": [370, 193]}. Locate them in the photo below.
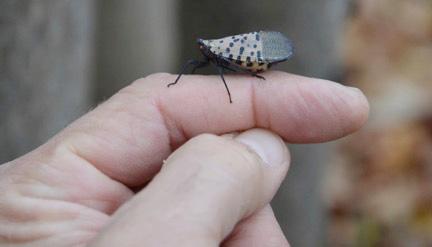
{"type": "Point", "coordinates": [242, 50]}
{"type": "Point", "coordinates": [231, 44]}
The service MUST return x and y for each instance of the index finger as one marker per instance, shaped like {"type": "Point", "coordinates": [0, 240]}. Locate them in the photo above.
{"type": "Point", "coordinates": [130, 135]}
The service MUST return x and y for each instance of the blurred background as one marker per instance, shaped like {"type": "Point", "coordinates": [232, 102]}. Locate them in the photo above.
{"type": "Point", "coordinates": [60, 58]}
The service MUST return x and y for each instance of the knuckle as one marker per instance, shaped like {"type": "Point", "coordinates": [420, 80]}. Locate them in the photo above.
{"type": "Point", "coordinates": [158, 76]}
{"type": "Point", "coordinates": [153, 80]}
{"type": "Point", "coordinates": [147, 88]}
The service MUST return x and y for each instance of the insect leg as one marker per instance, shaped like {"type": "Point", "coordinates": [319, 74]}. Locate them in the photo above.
{"type": "Point", "coordinates": [221, 72]}
{"type": "Point", "coordinates": [183, 70]}
{"type": "Point", "coordinates": [228, 68]}
{"type": "Point", "coordinates": [200, 64]}
{"type": "Point", "coordinates": [254, 74]}
{"type": "Point", "coordinates": [239, 69]}
{"type": "Point", "coordinates": [224, 63]}
{"type": "Point", "coordinates": [258, 76]}
{"type": "Point", "coordinates": [244, 71]}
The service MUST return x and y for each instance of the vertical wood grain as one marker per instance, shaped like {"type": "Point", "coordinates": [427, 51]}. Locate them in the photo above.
{"type": "Point", "coordinates": [45, 69]}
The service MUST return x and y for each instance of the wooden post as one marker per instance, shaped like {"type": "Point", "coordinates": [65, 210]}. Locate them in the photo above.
{"type": "Point", "coordinates": [135, 38]}
{"type": "Point", "coordinates": [45, 69]}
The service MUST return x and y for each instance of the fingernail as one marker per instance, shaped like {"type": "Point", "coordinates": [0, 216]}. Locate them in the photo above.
{"type": "Point", "coordinates": [231, 135]}
{"type": "Point", "coordinates": [354, 91]}
{"type": "Point", "coordinates": [266, 144]}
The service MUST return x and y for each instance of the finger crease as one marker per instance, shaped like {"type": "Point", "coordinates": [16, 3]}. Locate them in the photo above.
{"type": "Point", "coordinates": [254, 104]}
{"type": "Point", "coordinates": [176, 132]}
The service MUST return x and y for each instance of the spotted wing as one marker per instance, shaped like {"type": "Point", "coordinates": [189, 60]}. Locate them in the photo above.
{"type": "Point", "coordinates": [242, 47]}
{"type": "Point", "coordinates": [262, 47]}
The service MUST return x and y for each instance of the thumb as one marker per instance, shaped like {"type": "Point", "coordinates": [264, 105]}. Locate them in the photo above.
{"type": "Point", "coordinates": [204, 189]}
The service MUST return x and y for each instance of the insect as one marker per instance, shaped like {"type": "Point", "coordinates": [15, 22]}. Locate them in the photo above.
{"type": "Point", "coordinates": [250, 53]}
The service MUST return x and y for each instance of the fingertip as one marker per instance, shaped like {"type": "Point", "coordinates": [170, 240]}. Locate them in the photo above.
{"type": "Point", "coordinates": [360, 105]}
{"type": "Point", "coordinates": [316, 110]}
{"type": "Point", "coordinates": [352, 108]}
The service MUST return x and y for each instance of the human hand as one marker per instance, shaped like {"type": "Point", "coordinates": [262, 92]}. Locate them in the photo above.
{"type": "Point", "coordinates": [98, 182]}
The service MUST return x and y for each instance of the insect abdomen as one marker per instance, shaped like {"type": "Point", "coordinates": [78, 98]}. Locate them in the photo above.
{"type": "Point", "coordinates": [255, 66]}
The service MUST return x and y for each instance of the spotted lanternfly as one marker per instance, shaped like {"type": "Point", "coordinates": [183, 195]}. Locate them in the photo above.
{"type": "Point", "coordinates": [250, 53]}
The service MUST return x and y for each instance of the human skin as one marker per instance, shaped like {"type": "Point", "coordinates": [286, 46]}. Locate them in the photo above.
{"type": "Point", "coordinates": [99, 182]}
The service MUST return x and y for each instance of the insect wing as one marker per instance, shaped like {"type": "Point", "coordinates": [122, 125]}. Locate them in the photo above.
{"type": "Point", "coordinates": [243, 47]}
{"type": "Point", "coordinates": [275, 46]}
